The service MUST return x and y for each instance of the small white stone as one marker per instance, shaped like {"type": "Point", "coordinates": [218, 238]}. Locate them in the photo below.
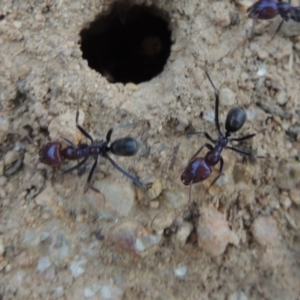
{"type": "Point", "coordinates": [43, 264]}
{"type": "Point", "coordinates": [238, 296]}
{"type": "Point", "coordinates": [76, 266]}
{"type": "Point", "coordinates": [131, 236]}
{"type": "Point", "coordinates": [180, 271]}
{"type": "Point", "coordinates": [10, 157]}
{"type": "Point", "coordinates": [111, 292]}
{"type": "Point", "coordinates": [265, 231]}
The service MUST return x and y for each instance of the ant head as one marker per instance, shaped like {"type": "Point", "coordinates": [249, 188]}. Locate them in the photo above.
{"type": "Point", "coordinates": [50, 154]}
{"type": "Point", "coordinates": [235, 119]}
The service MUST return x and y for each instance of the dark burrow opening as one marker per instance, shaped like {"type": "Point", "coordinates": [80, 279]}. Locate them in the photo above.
{"type": "Point", "coordinates": [130, 44]}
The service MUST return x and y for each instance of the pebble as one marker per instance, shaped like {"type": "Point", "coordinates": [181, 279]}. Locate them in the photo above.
{"type": "Point", "coordinates": [180, 271]}
{"type": "Point", "coordinates": [227, 96]}
{"type": "Point", "coordinates": [77, 266]}
{"type": "Point", "coordinates": [214, 233]}
{"type": "Point", "coordinates": [12, 162]}
{"type": "Point", "coordinates": [288, 175]}
{"type": "Point", "coordinates": [184, 232]}
{"type": "Point", "coordinates": [238, 296]}
{"type": "Point", "coordinates": [131, 236]}
{"type": "Point", "coordinates": [64, 125]}
{"type": "Point", "coordinates": [107, 290]}
{"type": "Point", "coordinates": [295, 196]}
{"type": "Point", "coordinates": [119, 196]}
{"type": "Point", "coordinates": [3, 180]}
{"type": "Point", "coordinates": [265, 231]}
{"type": "Point", "coordinates": [222, 17]}
{"type": "Point", "coordinates": [155, 190]}
{"type": "Point", "coordinates": [43, 264]}
{"type": "Point", "coordinates": [162, 221]}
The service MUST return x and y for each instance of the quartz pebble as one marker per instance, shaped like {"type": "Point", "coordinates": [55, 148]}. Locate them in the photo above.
{"type": "Point", "coordinates": [131, 236]}
{"type": "Point", "coordinates": [77, 266]}
{"type": "Point", "coordinates": [265, 231]}
{"type": "Point", "coordinates": [214, 233]}
{"type": "Point", "coordinates": [43, 264]}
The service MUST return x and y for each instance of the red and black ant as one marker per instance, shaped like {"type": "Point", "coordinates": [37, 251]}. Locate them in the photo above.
{"type": "Point", "coordinates": [269, 9]}
{"type": "Point", "coordinates": [53, 153]}
{"type": "Point", "coordinates": [199, 168]}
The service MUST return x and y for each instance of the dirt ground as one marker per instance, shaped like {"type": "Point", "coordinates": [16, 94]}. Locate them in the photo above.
{"type": "Point", "coordinates": [59, 242]}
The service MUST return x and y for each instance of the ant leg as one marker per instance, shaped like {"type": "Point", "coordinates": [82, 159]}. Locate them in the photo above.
{"type": "Point", "coordinates": [216, 103]}
{"type": "Point", "coordinates": [208, 146]}
{"type": "Point", "coordinates": [88, 183]}
{"type": "Point", "coordinates": [246, 137]}
{"type": "Point", "coordinates": [108, 135]}
{"type": "Point", "coordinates": [240, 151]}
{"type": "Point", "coordinates": [92, 171]}
{"type": "Point", "coordinates": [220, 172]}
{"type": "Point", "coordinates": [205, 134]}
{"type": "Point", "coordinates": [68, 142]}
{"type": "Point", "coordinates": [77, 166]}
{"type": "Point", "coordinates": [132, 178]}
{"type": "Point", "coordinates": [83, 131]}
{"type": "Point", "coordinates": [277, 30]}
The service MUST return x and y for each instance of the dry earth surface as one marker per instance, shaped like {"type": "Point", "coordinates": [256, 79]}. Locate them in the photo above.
{"type": "Point", "coordinates": [59, 242]}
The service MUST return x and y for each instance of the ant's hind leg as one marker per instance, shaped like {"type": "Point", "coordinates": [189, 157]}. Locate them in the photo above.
{"type": "Point", "coordinates": [77, 166]}
{"type": "Point", "coordinates": [83, 131]}
{"type": "Point", "coordinates": [220, 172]}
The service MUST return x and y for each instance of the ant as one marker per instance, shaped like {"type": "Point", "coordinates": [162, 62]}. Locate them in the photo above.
{"type": "Point", "coordinates": [269, 9]}
{"type": "Point", "coordinates": [53, 153]}
{"type": "Point", "coordinates": [200, 168]}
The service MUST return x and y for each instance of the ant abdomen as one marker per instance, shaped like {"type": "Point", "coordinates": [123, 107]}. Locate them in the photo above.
{"type": "Point", "coordinates": [50, 154]}
{"type": "Point", "coordinates": [124, 147]}
{"type": "Point", "coordinates": [235, 119]}
{"type": "Point", "coordinates": [197, 170]}
{"type": "Point", "coordinates": [264, 9]}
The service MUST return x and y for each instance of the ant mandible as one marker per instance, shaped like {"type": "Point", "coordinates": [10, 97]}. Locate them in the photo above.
{"type": "Point", "coordinates": [199, 168]}
{"type": "Point", "coordinates": [269, 9]}
{"type": "Point", "coordinates": [53, 153]}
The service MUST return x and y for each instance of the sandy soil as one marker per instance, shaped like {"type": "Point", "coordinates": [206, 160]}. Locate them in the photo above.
{"type": "Point", "coordinates": [58, 242]}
